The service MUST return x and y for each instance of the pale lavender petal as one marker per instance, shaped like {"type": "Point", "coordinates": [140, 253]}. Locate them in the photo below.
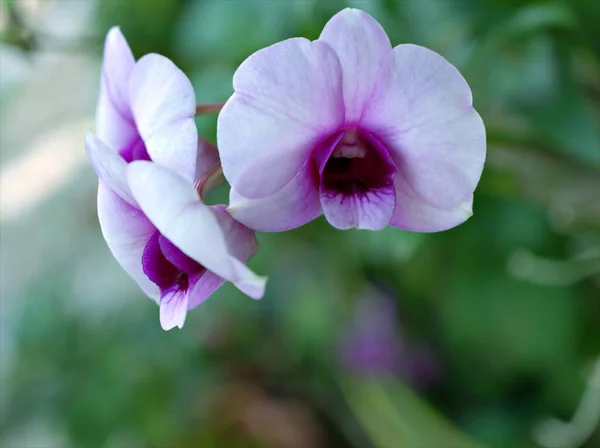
{"type": "Point", "coordinates": [114, 120]}
{"type": "Point", "coordinates": [241, 240]}
{"type": "Point", "coordinates": [292, 206]}
{"type": "Point", "coordinates": [361, 45]}
{"type": "Point", "coordinates": [371, 210]}
{"type": "Point", "coordinates": [126, 231]}
{"type": "Point", "coordinates": [109, 167]}
{"type": "Point", "coordinates": [412, 213]}
{"type": "Point", "coordinates": [208, 157]}
{"type": "Point", "coordinates": [287, 96]}
{"type": "Point", "coordinates": [242, 244]}
{"type": "Point", "coordinates": [421, 109]}
{"type": "Point", "coordinates": [173, 206]}
{"type": "Point", "coordinates": [248, 282]}
{"type": "Point", "coordinates": [173, 308]}
{"type": "Point", "coordinates": [164, 107]}
{"type": "Point", "coordinates": [202, 287]}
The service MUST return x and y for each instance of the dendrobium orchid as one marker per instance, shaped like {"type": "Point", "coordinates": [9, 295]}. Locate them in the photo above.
{"type": "Point", "coordinates": [348, 126]}
{"type": "Point", "coordinates": [148, 158]}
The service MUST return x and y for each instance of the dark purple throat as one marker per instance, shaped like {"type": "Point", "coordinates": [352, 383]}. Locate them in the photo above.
{"type": "Point", "coordinates": [356, 165]}
{"type": "Point", "coordinates": [168, 267]}
{"type": "Point", "coordinates": [135, 150]}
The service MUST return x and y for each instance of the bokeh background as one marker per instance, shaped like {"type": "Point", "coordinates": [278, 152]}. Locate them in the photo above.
{"type": "Point", "coordinates": [487, 335]}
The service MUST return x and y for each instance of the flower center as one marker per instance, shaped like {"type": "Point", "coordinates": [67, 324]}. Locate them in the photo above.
{"type": "Point", "coordinates": [168, 267]}
{"type": "Point", "coordinates": [355, 166]}
{"type": "Point", "coordinates": [136, 150]}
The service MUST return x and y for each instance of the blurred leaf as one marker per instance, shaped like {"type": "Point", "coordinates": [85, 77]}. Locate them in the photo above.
{"type": "Point", "coordinates": [147, 25]}
{"type": "Point", "coordinates": [393, 416]}
{"type": "Point", "coordinates": [216, 30]}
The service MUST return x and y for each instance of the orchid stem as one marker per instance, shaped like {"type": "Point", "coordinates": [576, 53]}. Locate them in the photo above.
{"type": "Point", "coordinates": [210, 108]}
{"type": "Point", "coordinates": [211, 179]}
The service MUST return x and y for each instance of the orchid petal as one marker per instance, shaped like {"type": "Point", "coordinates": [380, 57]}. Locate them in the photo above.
{"type": "Point", "coordinates": [173, 308]}
{"type": "Point", "coordinates": [109, 167]}
{"type": "Point", "coordinates": [156, 266]}
{"type": "Point", "coordinates": [173, 206]}
{"type": "Point", "coordinates": [164, 107]}
{"type": "Point", "coordinates": [292, 206]}
{"type": "Point", "coordinates": [177, 258]}
{"type": "Point", "coordinates": [114, 120]}
{"type": "Point", "coordinates": [202, 287]}
{"type": "Point", "coordinates": [126, 231]}
{"type": "Point", "coordinates": [371, 210]}
{"type": "Point", "coordinates": [241, 240]}
{"type": "Point", "coordinates": [421, 109]}
{"type": "Point", "coordinates": [361, 45]}
{"type": "Point", "coordinates": [414, 214]}
{"type": "Point", "coordinates": [369, 204]}
{"type": "Point", "coordinates": [287, 96]}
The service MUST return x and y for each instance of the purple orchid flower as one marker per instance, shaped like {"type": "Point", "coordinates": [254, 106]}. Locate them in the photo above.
{"type": "Point", "coordinates": [373, 344]}
{"type": "Point", "coordinates": [348, 126]}
{"type": "Point", "coordinates": [177, 249]}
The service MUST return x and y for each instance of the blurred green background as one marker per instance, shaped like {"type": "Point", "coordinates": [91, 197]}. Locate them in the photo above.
{"type": "Point", "coordinates": [474, 337]}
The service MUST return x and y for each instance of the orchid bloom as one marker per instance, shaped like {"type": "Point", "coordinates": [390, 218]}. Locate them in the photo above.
{"type": "Point", "coordinates": [147, 156]}
{"type": "Point", "coordinates": [349, 127]}
{"type": "Point", "coordinates": [374, 343]}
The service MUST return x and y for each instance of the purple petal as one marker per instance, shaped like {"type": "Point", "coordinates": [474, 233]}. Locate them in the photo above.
{"type": "Point", "coordinates": [135, 150]}
{"type": "Point", "coordinates": [177, 258]}
{"type": "Point", "coordinates": [109, 167]}
{"type": "Point", "coordinates": [361, 45]}
{"type": "Point", "coordinates": [241, 240]}
{"type": "Point", "coordinates": [173, 308]}
{"type": "Point", "coordinates": [287, 96]}
{"type": "Point", "coordinates": [202, 287]}
{"type": "Point", "coordinates": [126, 231]}
{"type": "Point", "coordinates": [371, 210]}
{"type": "Point", "coordinates": [412, 213]}
{"type": "Point", "coordinates": [114, 121]}
{"type": "Point", "coordinates": [346, 204]}
{"type": "Point", "coordinates": [421, 109]}
{"type": "Point", "coordinates": [293, 206]}
{"type": "Point", "coordinates": [156, 266]}
{"type": "Point", "coordinates": [173, 206]}
{"type": "Point", "coordinates": [164, 106]}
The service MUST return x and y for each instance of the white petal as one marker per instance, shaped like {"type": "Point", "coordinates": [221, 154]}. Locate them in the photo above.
{"type": "Point", "coordinates": [164, 107]}
{"type": "Point", "coordinates": [109, 167]}
{"type": "Point", "coordinates": [173, 206]}
{"type": "Point", "coordinates": [287, 97]}
{"type": "Point", "coordinates": [173, 309]}
{"type": "Point", "coordinates": [361, 45]}
{"type": "Point", "coordinates": [114, 120]}
{"type": "Point", "coordinates": [422, 111]}
{"type": "Point", "coordinates": [126, 231]}
{"type": "Point", "coordinates": [414, 214]}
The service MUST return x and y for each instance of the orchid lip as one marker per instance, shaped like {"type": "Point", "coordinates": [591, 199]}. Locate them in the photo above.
{"type": "Point", "coordinates": [168, 267]}
{"type": "Point", "coordinates": [358, 163]}
{"type": "Point", "coordinates": [356, 176]}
